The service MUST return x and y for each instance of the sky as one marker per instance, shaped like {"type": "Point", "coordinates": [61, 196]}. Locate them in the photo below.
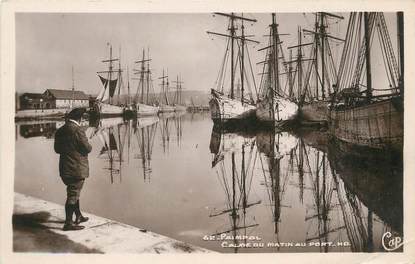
{"type": "Point", "coordinates": [49, 44]}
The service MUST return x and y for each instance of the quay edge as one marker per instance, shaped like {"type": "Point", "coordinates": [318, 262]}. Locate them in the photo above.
{"type": "Point", "coordinates": [37, 227]}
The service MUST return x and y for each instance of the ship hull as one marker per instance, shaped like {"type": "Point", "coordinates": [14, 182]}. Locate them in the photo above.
{"type": "Point", "coordinates": [180, 108]}
{"type": "Point", "coordinates": [166, 108]}
{"type": "Point", "coordinates": [285, 112]}
{"type": "Point", "coordinates": [102, 110]}
{"type": "Point", "coordinates": [377, 125]}
{"type": "Point", "coordinates": [146, 110]}
{"type": "Point", "coordinates": [314, 113]}
{"type": "Point", "coordinates": [226, 110]}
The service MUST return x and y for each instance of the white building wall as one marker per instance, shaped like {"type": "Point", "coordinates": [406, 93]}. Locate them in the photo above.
{"type": "Point", "coordinates": [67, 103]}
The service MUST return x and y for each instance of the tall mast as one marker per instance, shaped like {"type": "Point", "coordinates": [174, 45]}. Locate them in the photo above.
{"type": "Point", "coordinates": [73, 88]}
{"type": "Point", "coordinates": [163, 89]}
{"type": "Point", "coordinates": [401, 50]}
{"type": "Point", "coordinates": [148, 74]}
{"type": "Point", "coordinates": [167, 87]}
{"type": "Point", "coordinates": [290, 81]}
{"type": "Point", "coordinates": [180, 91]}
{"type": "Point", "coordinates": [119, 75]}
{"type": "Point", "coordinates": [320, 44]}
{"type": "Point", "coordinates": [316, 41]}
{"type": "Point", "coordinates": [367, 54]}
{"type": "Point", "coordinates": [232, 29]}
{"type": "Point", "coordinates": [274, 65]}
{"type": "Point", "coordinates": [322, 32]}
{"type": "Point", "coordinates": [164, 86]}
{"type": "Point", "coordinates": [142, 78]}
{"type": "Point", "coordinates": [299, 64]}
{"type": "Point", "coordinates": [143, 72]}
{"type": "Point", "coordinates": [275, 54]}
{"type": "Point", "coordinates": [242, 61]}
{"type": "Point", "coordinates": [233, 36]}
{"type": "Point", "coordinates": [109, 75]}
{"type": "Point", "coordinates": [128, 88]}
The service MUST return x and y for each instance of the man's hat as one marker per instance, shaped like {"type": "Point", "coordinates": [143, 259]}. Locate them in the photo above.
{"type": "Point", "coordinates": [76, 113]}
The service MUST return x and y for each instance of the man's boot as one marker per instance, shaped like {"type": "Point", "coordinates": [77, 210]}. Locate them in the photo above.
{"type": "Point", "coordinates": [69, 224]}
{"type": "Point", "coordinates": [79, 217]}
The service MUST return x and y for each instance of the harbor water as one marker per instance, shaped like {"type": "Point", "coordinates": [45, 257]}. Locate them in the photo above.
{"type": "Point", "coordinates": [227, 191]}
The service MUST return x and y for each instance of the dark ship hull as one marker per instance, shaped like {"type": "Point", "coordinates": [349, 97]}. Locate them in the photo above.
{"type": "Point", "coordinates": [376, 125]}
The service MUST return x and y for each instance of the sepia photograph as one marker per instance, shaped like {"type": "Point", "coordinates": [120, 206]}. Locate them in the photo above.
{"type": "Point", "coordinates": [151, 132]}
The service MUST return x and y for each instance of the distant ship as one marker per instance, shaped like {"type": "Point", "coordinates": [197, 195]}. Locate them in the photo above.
{"type": "Point", "coordinates": [165, 105]}
{"type": "Point", "coordinates": [177, 100]}
{"type": "Point", "coordinates": [144, 104]}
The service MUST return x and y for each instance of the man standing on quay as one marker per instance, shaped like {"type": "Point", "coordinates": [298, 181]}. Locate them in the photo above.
{"type": "Point", "coordinates": [72, 145]}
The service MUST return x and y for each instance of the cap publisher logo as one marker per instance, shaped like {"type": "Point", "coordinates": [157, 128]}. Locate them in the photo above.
{"type": "Point", "coordinates": [391, 243]}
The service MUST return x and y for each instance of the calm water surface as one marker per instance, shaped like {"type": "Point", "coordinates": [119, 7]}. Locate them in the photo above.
{"type": "Point", "coordinates": [177, 176]}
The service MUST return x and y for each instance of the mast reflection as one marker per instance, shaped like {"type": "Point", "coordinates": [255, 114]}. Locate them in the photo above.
{"type": "Point", "coordinates": [234, 159]}
{"type": "Point", "coordinates": [145, 132]}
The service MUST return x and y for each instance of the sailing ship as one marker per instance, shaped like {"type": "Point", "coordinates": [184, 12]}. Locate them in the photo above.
{"type": "Point", "coordinates": [164, 95]}
{"type": "Point", "coordinates": [321, 71]}
{"type": "Point", "coordinates": [274, 106]}
{"type": "Point", "coordinates": [108, 102]}
{"type": "Point", "coordinates": [227, 108]}
{"type": "Point", "coordinates": [144, 103]}
{"type": "Point", "coordinates": [178, 100]}
{"type": "Point", "coordinates": [363, 114]}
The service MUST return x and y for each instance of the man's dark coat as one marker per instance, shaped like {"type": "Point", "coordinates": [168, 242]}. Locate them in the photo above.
{"type": "Point", "coordinates": [72, 145]}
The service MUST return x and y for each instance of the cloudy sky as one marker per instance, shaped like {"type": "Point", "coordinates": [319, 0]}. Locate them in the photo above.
{"type": "Point", "coordinates": [49, 44]}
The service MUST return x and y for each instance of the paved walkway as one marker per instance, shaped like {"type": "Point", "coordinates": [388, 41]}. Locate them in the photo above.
{"type": "Point", "coordinates": [37, 227]}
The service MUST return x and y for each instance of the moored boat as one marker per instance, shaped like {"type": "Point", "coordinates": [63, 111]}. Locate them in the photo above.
{"type": "Point", "coordinates": [371, 117]}
{"type": "Point", "coordinates": [314, 100]}
{"type": "Point", "coordinates": [165, 105]}
{"type": "Point", "coordinates": [178, 100]}
{"type": "Point", "coordinates": [235, 107]}
{"type": "Point", "coordinates": [225, 109]}
{"type": "Point", "coordinates": [144, 103]}
{"type": "Point", "coordinates": [274, 107]}
{"type": "Point", "coordinates": [106, 104]}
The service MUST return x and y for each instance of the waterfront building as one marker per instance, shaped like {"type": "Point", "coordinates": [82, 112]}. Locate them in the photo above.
{"type": "Point", "coordinates": [66, 98]}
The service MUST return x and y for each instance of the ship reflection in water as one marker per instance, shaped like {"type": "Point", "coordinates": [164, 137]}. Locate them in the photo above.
{"type": "Point", "coordinates": [229, 191]}
{"type": "Point", "coordinates": [345, 201]}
